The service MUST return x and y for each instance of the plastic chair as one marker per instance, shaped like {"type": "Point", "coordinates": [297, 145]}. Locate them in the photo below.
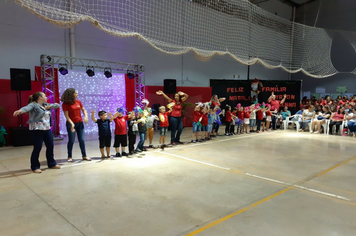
{"type": "Point", "coordinates": [326, 126]}
{"type": "Point", "coordinates": [286, 123]}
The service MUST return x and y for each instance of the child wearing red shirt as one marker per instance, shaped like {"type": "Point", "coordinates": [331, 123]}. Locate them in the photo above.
{"type": "Point", "coordinates": [247, 120]}
{"type": "Point", "coordinates": [260, 118]}
{"type": "Point", "coordinates": [196, 125]}
{"type": "Point", "coordinates": [228, 116]}
{"type": "Point", "coordinates": [163, 124]}
{"type": "Point", "coordinates": [240, 115]}
{"type": "Point", "coordinates": [232, 124]}
{"type": "Point", "coordinates": [204, 123]}
{"type": "Point", "coordinates": [120, 133]}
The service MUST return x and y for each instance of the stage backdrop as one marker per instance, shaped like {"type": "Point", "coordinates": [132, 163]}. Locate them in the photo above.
{"type": "Point", "coordinates": [239, 91]}
{"type": "Point", "coordinates": [96, 93]}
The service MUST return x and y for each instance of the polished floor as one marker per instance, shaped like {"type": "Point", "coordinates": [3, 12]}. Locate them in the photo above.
{"type": "Point", "coordinates": [272, 183]}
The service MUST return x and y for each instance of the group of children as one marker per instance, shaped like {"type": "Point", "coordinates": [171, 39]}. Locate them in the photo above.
{"type": "Point", "coordinates": [253, 118]}
{"type": "Point", "coordinates": [127, 127]}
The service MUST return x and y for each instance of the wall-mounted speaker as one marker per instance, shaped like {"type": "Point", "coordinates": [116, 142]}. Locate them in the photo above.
{"type": "Point", "coordinates": [170, 86]}
{"type": "Point", "coordinates": [20, 79]}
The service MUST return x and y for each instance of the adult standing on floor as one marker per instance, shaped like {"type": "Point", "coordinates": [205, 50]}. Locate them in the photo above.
{"type": "Point", "coordinates": [215, 105]}
{"type": "Point", "coordinates": [276, 104]}
{"type": "Point", "coordinates": [176, 122]}
{"type": "Point", "coordinates": [72, 109]}
{"type": "Point", "coordinates": [40, 129]}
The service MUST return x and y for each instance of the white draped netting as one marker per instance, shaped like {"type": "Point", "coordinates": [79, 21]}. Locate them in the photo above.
{"type": "Point", "coordinates": [207, 27]}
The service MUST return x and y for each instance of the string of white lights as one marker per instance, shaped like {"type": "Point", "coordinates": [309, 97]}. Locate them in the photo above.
{"type": "Point", "coordinates": [96, 93]}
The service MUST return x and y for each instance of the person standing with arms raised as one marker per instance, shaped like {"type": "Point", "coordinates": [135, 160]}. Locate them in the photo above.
{"type": "Point", "coordinates": [276, 104]}
{"type": "Point", "coordinates": [40, 129]}
{"type": "Point", "coordinates": [72, 109]}
{"type": "Point", "coordinates": [176, 115]}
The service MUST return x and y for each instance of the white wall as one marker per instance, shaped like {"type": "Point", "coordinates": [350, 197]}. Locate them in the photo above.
{"type": "Point", "coordinates": [24, 37]}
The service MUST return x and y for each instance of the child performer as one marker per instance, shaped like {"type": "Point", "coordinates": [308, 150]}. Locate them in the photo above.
{"type": "Point", "coordinates": [196, 124]}
{"type": "Point", "coordinates": [150, 130]}
{"type": "Point", "coordinates": [142, 129]}
{"type": "Point", "coordinates": [240, 115]}
{"type": "Point", "coordinates": [204, 123]}
{"type": "Point", "coordinates": [247, 119]}
{"type": "Point", "coordinates": [253, 118]}
{"type": "Point", "coordinates": [233, 120]}
{"type": "Point", "coordinates": [228, 118]}
{"type": "Point", "coordinates": [211, 116]}
{"type": "Point", "coordinates": [132, 133]}
{"type": "Point", "coordinates": [104, 131]}
{"type": "Point", "coordinates": [261, 118]}
{"type": "Point", "coordinates": [120, 132]}
{"type": "Point", "coordinates": [163, 124]}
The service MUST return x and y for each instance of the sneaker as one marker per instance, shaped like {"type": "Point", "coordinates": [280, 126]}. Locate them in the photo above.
{"type": "Point", "coordinates": [131, 153]}
{"type": "Point", "coordinates": [55, 167]}
{"type": "Point", "coordinates": [124, 154]}
{"type": "Point", "coordinates": [179, 142]}
{"type": "Point", "coordinates": [163, 146]}
{"type": "Point", "coordinates": [174, 144]}
{"type": "Point", "coordinates": [138, 150]}
{"type": "Point", "coordinates": [150, 146]}
{"type": "Point", "coordinates": [227, 134]}
{"type": "Point", "coordinates": [37, 171]}
{"type": "Point", "coordinates": [193, 141]}
{"type": "Point", "coordinates": [86, 159]}
{"type": "Point", "coordinates": [118, 154]}
{"type": "Point", "coordinates": [144, 149]}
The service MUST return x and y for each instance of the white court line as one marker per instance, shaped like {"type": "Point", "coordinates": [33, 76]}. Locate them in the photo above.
{"type": "Point", "coordinates": [80, 164]}
{"type": "Point", "coordinates": [221, 140]}
{"type": "Point", "coordinates": [175, 148]}
{"type": "Point", "coordinates": [300, 187]}
{"type": "Point", "coordinates": [201, 162]}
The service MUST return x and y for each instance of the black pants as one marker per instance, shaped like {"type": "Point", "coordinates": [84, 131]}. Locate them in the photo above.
{"type": "Point", "coordinates": [259, 122]}
{"type": "Point", "coordinates": [232, 129]}
{"type": "Point", "coordinates": [332, 123]}
{"type": "Point", "coordinates": [227, 128]}
{"type": "Point", "coordinates": [132, 141]}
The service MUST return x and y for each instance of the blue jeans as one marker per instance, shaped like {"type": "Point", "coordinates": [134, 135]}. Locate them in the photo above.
{"type": "Point", "coordinates": [304, 124]}
{"type": "Point", "coordinates": [38, 137]}
{"type": "Point", "coordinates": [352, 126]}
{"type": "Point", "coordinates": [79, 129]}
{"type": "Point", "coordinates": [142, 140]}
{"type": "Point", "coordinates": [176, 124]}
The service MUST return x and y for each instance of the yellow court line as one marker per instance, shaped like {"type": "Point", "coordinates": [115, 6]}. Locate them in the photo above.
{"type": "Point", "coordinates": [258, 202]}
{"type": "Point", "coordinates": [238, 212]}
{"type": "Point", "coordinates": [335, 166]}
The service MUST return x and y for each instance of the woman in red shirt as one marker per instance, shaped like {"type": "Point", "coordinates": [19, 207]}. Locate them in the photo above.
{"type": "Point", "coordinates": [72, 109]}
{"type": "Point", "coordinates": [336, 119]}
{"type": "Point", "coordinates": [176, 115]}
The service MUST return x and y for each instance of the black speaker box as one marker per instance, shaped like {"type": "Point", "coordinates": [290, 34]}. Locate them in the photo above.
{"type": "Point", "coordinates": [155, 108]}
{"type": "Point", "coordinates": [170, 86]}
{"type": "Point", "coordinates": [20, 79]}
{"type": "Point", "coordinates": [21, 136]}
